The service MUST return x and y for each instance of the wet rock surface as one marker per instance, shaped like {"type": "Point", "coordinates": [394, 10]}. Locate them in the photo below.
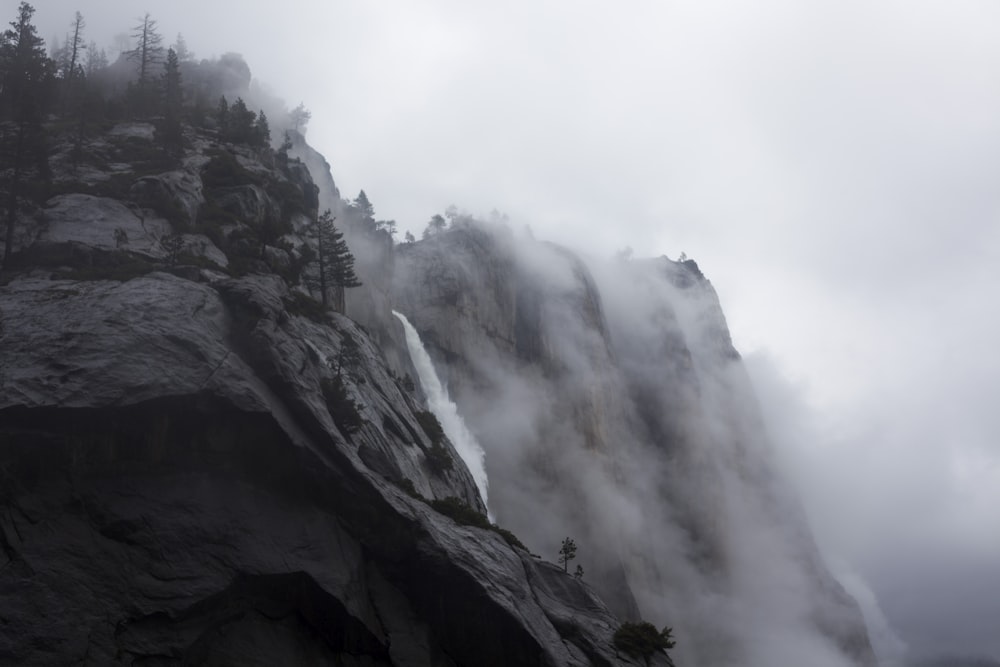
{"type": "Point", "coordinates": [201, 467]}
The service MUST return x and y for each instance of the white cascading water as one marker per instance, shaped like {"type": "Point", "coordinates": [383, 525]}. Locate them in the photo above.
{"type": "Point", "coordinates": [446, 411]}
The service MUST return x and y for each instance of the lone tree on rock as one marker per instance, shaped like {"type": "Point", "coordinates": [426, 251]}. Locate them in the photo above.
{"type": "Point", "coordinates": [567, 552]}
{"type": "Point", "coordinates": [335, 263]}
{"type": "Point", "coordinates": [299, 117]}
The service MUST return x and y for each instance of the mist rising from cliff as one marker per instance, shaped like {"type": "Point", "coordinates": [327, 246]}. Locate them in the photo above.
{"type": "Point", "coordinates": [621, 416]}
{"type": "Point", "coordinates": [446, 411]}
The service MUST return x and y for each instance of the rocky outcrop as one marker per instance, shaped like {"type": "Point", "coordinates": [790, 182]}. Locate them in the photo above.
{"type": "Point", "coordinates": [202, 466]}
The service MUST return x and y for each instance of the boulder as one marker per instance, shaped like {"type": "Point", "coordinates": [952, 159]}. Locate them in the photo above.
{"type": "Point", "coordinates": [177, 194]}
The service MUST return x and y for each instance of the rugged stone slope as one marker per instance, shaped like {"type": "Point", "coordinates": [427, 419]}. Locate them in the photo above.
{"type": "Point", "coordinates": [202, 467]}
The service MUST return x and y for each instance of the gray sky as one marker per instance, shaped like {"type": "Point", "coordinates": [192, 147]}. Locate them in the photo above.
{"type": "Point", "coordinates": [833, 166]}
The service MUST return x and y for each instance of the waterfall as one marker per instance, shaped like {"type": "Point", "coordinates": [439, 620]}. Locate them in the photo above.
{"type": "Point", "coordinates": [445, 410]}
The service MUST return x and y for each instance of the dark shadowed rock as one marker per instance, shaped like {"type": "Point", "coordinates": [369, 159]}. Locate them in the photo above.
{"type": "Point", "coordinates": [179, 191]}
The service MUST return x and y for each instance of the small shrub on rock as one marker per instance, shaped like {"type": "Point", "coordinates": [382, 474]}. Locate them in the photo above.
{"type": "Point", "coordinates": [224, 171]}
{"type": "Point", "coordinates": [439, 459]}
{"type": "Point", "coordinates": [297, 303]}
{"type": "Point", "coordinates": [508, 536]}
{"type": "Point", "coordinates": [459, 511]}
{"type": "Point", "coordinates": [431, 426]}
{"type": "Point", "coordinates": [438, 456]}
{"type": "Point", "coordinates": [642, 639]}
{"type": "Point", "coordinates": [343, 410]}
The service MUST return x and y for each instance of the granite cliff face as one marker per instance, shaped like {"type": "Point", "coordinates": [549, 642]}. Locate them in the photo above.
{"type": "Point", "coordinates": [613, 407]}
{"type": "Point", "coordinates": [201, 466]}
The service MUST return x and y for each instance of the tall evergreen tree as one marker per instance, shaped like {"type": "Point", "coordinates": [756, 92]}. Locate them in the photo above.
{"type": "Point", "coordinates": [241, 123]}
{"type": "Point", "coordinates": [173, 101]}
{"type": "Point", "coordinates": [181, 48]}
{"type": "Point", "coordinates": [23, 67]}
{"type": "Point", "coordinates": [75, 46]}
{"type": "Point", "coordinates": [24, 71]}
{"type": "Point", "coordinates": [335, 263]}
{"type": "Point", "coordinates": [69, 67]}
{"type": "Point", "coordinates": [262, 131]}
{"type": "Point", "coordinates": [299, 117]}
{"type": "Point", "coordinates": [364, 209]}
{"type": "Point", "coordinates": [567, 552]}
{"type": "Point", "coordinates": [146, 54]}
{"type": "Point", "coordinates": [222, 117]}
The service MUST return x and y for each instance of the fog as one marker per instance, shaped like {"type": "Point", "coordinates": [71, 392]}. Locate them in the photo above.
{"type": "Point", "coordinates": [622, 417]}
{"type": "Point", "coordinates": [831, 165]}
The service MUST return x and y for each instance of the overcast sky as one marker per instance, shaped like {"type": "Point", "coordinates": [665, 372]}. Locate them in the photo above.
{"type": "Point", "coordinates": [832, 165]}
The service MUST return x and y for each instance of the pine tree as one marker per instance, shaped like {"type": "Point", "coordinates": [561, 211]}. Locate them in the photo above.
{"type": "Point", "coordinates": [299, 117]}
{"type": "Point", "coordinates": [24, 72]}
{"type": "Point", "coordinates": [348, 357]}
{"type": "Point", "coordinates": [75, 46]}
{"type": "Point", "coordinates": [147, 53]}
{"type": "Point", "coordinates": [335, 263]}
{"type": "Point", "coordinates": [436, 225]}
{"type": "Point", "coordinates": [567, 552]}
{"type": "Point", "coordinates": [281, 155]}
{"type": "Point", "coordinates": [242, 122]}
{"type": "Point", "coordinates": [222, 117]}
{"type": "Point", "coordinates": [23, 67]}
{"type": "Point", "coordinates": [364, 209]}
{"type": "Point", "coordinates": [148, 49]}
{"type": "Point", "coordinates": [181, 49]}
{"type": "Point", "coordinates": [173, 101]}
{"type": "Point", "coordinates": [71, 69]}
{"type": "Point", "coordinates": [262, 131]}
